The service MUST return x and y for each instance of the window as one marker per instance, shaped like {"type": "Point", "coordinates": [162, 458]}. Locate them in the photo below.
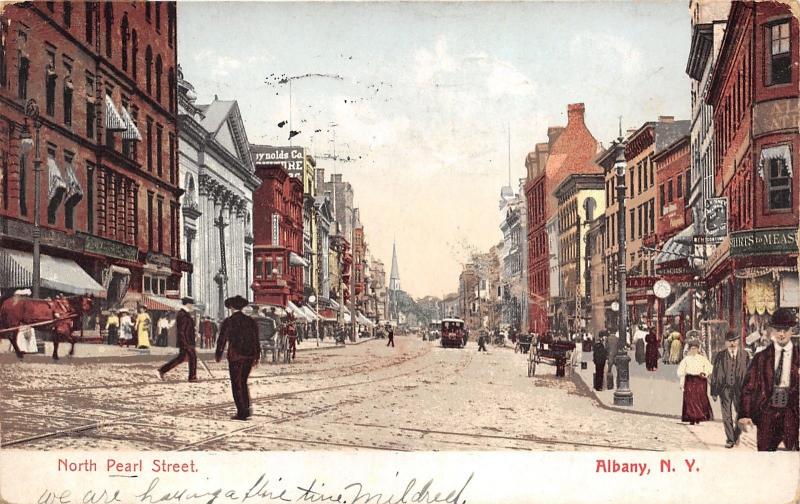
{"type": "Point", "coordinates": [134, 53]}
{"type": "Point", "coordinates": [158, 16]}
{"type": "Point", "coordinates": [109, 133]}
{"type": "Point", "coordinates": [159, 148]}
{"type": "Point", "coordinates": [159, 69]}
{"type": "Point", "coordinates": [3, 46]}
{"type": "Point", "coordinates": [50, 84]}
{"type": "Point", "coordinates": [24, 66]}
{"type": "Point", "coordinates": [172, 158]}
{"type": "Point", "coordinates": [780, 63]}
{"type": "Point", "coordinates": [171, 77]}
{"type": "Point", "coordinates": [90, 199]}
{"type": "Point", "coordinates": [779, 185]}
{"type": "Point", "coordinates": [147, 9]}
{"type": "Point", "coordinates": [23, 176]}
{"type": "Point", "coordinates": [67, 13]}
{"type": "Point", "coordinates": [640, 178]}
{"type": "Point", "coordinates": [632, 232]}
{"type": "Point", "coordinates": [669, 191]}
{"type": "Point", "coordinates": [652, 205]}
{"type": "Point", "coordinates": [661, 201]}
{"type": "Point", "coordinates": [149, 220]}
{"type": "Point", "coordinates": [148, 68]}
{"type": "Point", "coordinates": [89, 22]}
{"type": "Point", "coordinates": [50, 6]}
{"type": "Point", "coordinates": [688, 179]}
{"type": "Point", "coordinates": [123, 31]}
{"type": "Point", "coordinates": [149, 144]}
{"type": "Point", "coordinates": [160, 224]}
{"type": "Point", "coordinates": [52, 206]}
{"type": "Point", "coordinates": [171, 24]}
{"type": "Point", "coordinates": [90, 106]}
{"type": "Point", "coordinates": [68, 95]}
{"type": "Point", "coordinates": [69, 206]}
{"type": "Point", "coordinates": [679, 186]}
{"type": "Point", "coordinates": [641, 221]}
{"type": "Point", "coordinates": [632, 184]}
{"type": "Point", "coordinates": [109, 18]}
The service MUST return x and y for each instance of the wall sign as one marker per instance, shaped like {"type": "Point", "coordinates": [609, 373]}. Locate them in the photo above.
{"type": "Point", "coordinates": [764, 241]}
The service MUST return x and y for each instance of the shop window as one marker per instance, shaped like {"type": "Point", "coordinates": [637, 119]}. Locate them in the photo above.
{"type": "Point", "coordinates": [780, 61]}
{"type": "Point", "coordinates": [779, 185]}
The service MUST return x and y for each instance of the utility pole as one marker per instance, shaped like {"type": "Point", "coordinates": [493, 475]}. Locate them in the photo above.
{"type": "Point", "coordinates": [353, 275]}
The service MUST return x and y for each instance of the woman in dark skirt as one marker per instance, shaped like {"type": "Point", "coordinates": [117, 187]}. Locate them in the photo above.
{"type": "Point", "coordinates": [694, 371]}
{"type": "Point", "coordinates": [651, 350]}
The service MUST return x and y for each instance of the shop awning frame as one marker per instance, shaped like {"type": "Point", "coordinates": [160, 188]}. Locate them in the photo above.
{"type": "Point", "coordinates": [681, 305]}
{"type": "Point", "coordinates": [58, 274]}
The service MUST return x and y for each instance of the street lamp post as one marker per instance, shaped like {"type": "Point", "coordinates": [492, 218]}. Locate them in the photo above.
{"type": "Point", "coordinates": [32, 112]}
{"type": "Point", "coordinates": [622, 395]}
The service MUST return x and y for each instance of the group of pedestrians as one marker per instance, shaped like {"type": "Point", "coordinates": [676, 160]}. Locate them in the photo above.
{"type": "Point", "coordinates": [123, 330]}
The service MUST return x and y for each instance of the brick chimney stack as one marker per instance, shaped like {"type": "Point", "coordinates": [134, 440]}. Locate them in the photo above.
{"type": "Point", "coordinates": [575, 112]}
{"type": "Point", "coordinates": [666, 119]}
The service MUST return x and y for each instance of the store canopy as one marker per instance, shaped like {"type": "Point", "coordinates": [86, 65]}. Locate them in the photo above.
{"type": "Point", "coordinates": [296, 260]}
{"type": "Point", "coordinates": [678, 247]}
{"type": "Point", "coordinates": [160, 303]}
{"type": "Point", "coordinates": [309, 313]}
{"type": "Point", "coordinates": [63, 275]}
{"type": "Point", "coordinates": [297, 312]}
{"type": "Point", "coordinates": [681, 305]}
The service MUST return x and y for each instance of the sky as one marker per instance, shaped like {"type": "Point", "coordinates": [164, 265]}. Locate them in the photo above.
{"type": "Point", "coordinates": [423, 98]}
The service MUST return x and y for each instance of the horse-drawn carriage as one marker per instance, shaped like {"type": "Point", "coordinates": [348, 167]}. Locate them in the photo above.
{"type": "Point", "coordinates": [273, 340]}
{"type": "Point", "coordinates": [523, 343]}
{"type": "Point", "coordinates": [558, 352]}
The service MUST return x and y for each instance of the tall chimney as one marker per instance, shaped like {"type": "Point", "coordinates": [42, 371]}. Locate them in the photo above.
{"type": "Point", "coordinates": [575, 112]}
{"type": "Point", "coordinates": [666, 119]}
{"type": "Point", "coordinates": [320, 176]}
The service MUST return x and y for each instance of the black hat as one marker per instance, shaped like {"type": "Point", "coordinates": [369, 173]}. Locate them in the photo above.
{"type": "Point", "coordinates": [731, 336]}
{"type": "Point", "coordinates": [783, 318]}
{"type": "Point", "coordinates": [187, 300]}
{"type": "Point", "coordinates": [236, 302]}
{"type": "Point", "coordinates": [693, 343]}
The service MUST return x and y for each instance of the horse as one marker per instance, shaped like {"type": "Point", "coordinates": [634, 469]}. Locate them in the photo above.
{"type": "Point", "coordinates": [63, 314]}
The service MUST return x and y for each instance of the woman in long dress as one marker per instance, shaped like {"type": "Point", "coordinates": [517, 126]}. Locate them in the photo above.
{"type": "Point", "coordinates": [651, 351]}
{"type": "Point", "coordinates": [638, 342]}
{"type": "Point", "coordinates": [143, 328]}
{"type": "Point", "coordinates": [675, 348]}
{"type": "Point", "coordinates": [125, 328]}
{"type": "Point", "coordinates": [694, 371]}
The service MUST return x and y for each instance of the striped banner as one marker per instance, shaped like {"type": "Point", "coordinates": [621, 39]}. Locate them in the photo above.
{"type": "Point", "coordinates": [114, 121]}
{"type": "Point", "coordinates": [131, 132]}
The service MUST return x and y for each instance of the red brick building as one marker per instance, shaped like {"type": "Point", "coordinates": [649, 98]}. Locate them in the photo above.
{"type": "Point", "coordinates": [673, 177]}
{"type": "Point", "coordinates": [278, 237]}
{"type": "Point", "coordinates": [754, 92]}
{"type": "Point", "coordinates": [103, 77]}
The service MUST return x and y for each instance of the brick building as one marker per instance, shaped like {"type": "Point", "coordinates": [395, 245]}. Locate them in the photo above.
{"type": "Point", "coordinates": [754, 93]}
{"type": "Point", "coordinates": [103, 77]}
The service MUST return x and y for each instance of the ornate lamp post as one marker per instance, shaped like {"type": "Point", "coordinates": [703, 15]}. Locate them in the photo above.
{"type": "Point", "coordinates": [622, 395]}
{"type": "Point", "coordinates": [32, 112]}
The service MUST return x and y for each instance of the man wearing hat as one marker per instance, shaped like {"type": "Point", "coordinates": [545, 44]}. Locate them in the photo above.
{"type": "Point", "coordinates": [727, 378]}
{"type": "Point", "coordinates": [240, 333]}
{"type": "Point", "coordinates": [186, 341]}
{"type": "Point", "coordinates": [770, 392]}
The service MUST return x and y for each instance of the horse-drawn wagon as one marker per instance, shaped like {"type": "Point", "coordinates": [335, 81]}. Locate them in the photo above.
{"type": "Point", "coordinates": [557, 352]}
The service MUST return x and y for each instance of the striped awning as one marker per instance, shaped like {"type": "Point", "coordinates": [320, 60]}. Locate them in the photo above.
{"type": "Point", "coordinates": [74, 189]}
{"type": "Point", "coordinates": [56, 186]}
{"type": "Point", "coordinates": [160, 303]}
{"type": "Point", "coordinates": [114, 122]}
{"type": "Point", "coordinates": [310, 314]}
{"type": "Point", "coordinates": [296, 260]}
{"type": "Point", "coordinates": [58, 274]}
{"type": "Point", "coordinates": [131, 132]}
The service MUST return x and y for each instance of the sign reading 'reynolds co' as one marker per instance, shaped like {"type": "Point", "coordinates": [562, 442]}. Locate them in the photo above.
{"type": "Point", "coordinates": [288, 158]}
{"type": "Point", "coordinates": [764, 241]}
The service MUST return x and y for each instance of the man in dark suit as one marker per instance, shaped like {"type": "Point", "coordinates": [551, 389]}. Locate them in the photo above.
{"type": "Point", "coordinates": [240, 333]}
{"type": "Point", "coordinates": [770, 392]}
{"type": "Point", "coordinates": [391, 336]}
{"type": "Point", "coordinates": [186, 341]}
{"type": "Point", "coordinates": [599, 356]}
{"type": "Point", "coordinates": [730, 369]}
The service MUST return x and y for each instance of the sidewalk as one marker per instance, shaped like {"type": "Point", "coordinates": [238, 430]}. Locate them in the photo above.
{"type": "Point", "coordinates": [658, 393]}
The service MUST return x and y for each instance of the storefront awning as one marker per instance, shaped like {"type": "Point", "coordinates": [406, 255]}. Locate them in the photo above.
{"type": "Point", "coordinates": [160, 303]}
{"type": "Point", "coordinates": [62, 275]}
{"type": "Point", "coordinates": [681, 305]}
{"type": "Point", "coordinates": [296, 260]}
{"type": "Point", "coordinates": [309, 313]}
{"type": "Point", "coordinates": [297, 312]}
{"type": "Point", "coordinates": [679, 247]}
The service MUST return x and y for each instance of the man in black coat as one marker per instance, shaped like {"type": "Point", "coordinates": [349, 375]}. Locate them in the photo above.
{"type": "Point", "coordinates": [727, 379]}
{"type": "Point", "coordinates": [391, 337]}
{"type": "Point", "coordinates": [240, 333]}
{"type": "Point", "coordinates": [599, 356]}
{"type": "Point", "coordinates": [184, 322]}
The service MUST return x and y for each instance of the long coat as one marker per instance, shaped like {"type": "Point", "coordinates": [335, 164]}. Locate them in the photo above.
{"type": "Point", "coordinates": [651, 350]}
{"type": "Point", "coordinates": [599, 354]}
{"type": "Point", "coordinates": [185, 329]}
{"type": "Point", "coordinates": [758, 383]}
{"type": "Point", "coordinates": [719, 379]}
{"type": "Point", "coordinates": [240, 333]}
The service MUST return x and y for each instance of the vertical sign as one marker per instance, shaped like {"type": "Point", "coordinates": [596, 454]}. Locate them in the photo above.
{"type": "Point", "coordinates": [276, 235]}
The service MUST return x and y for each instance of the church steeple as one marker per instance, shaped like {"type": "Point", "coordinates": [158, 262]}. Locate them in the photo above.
{"type": "Point", "coordinates": [394, 277]}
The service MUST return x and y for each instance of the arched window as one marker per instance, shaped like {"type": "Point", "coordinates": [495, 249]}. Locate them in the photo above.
{"type": "Point", "coordinates": [109, 15]}
{"type": "Point", "coordinates": [148, 69]}
{"type": "Point", "coordinates": [158, 77]}
{"type": "Point", "coordinates": [171, 24]}
{"type": "Point", "coordinates": [134, 53]}
{"type": "Point", "coordinates": [171, 77]}
{"type": "Point", "coordinates": [124, 34]}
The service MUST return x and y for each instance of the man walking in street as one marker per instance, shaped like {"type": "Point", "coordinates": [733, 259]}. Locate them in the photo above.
{"type": "Point", "coordinates": [730, 368]}
{"type": "Point", "coordinates": [599, 356]}
{"type": "Point", "coordinates": [186, 341]}
{"type": "Point", "coordinates": [391, 337]}
{"type": "Point", "coordinates": [770, 391]}
{"type": "Point", "coordinates": [239, 333]}
{"type": "Point", "coordinates": [291, 332]}
{"type": "Point", "coordinates": [482, 341]}
{"type": "Point", "coordinates": [612, 347]}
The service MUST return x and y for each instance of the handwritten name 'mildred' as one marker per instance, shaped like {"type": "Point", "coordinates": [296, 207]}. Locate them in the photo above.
{"type": "Point", "coordinates": [127, 467]}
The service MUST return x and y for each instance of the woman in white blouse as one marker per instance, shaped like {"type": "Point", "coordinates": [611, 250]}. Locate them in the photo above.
{"type": "Point", "coordinates": [694, 371]}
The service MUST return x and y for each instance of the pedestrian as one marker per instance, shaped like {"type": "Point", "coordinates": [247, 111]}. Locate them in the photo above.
{"type": "Point", "coordinates": [599, 356]}
{"type": "Point", "coordinates": [239, 333]}
{"type": "Point", "coordinates": [612, 348]}
{"type": "Point", "coordinates": [481, 341]}
{"type": "Point", "coordinates": [125, 328]}
{"type": "Point", "coordinates": [143, 328]}
{"type": "Point", "coordinates": [112, 328]}
{"type": "Point", "coordinates": [290, 329]}
{"type": "Point", "coordinates": [164, 323]}
{"type": "Point", "coordinates": [727, 379]}
{"type": "Point", "coordinates": [665, 346]}
{"type": "Point", "coordinates": [651, 350]}
{"type": "Point", "coordinates": [207, 332]}
{"type": "Point", "coordinates": [675, 347]}
{"type": "Point", "coordinates": [639, 337]}
{"type": "Point", "coordinates": [186, 341]}
{"type": "Point", "coordinates": [694, 371]}
{"type": "Point", "coordinates": [390, 335]}
{"type": "Point", "coordinates": [770, 391]}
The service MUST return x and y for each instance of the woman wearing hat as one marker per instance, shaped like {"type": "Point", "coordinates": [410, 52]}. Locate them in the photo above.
{"type": "Point", "coordinates": [125, 328]}
{"type": "Point", "coordinates": [694, 371]}
{"type": "Point", "coordinates": [143, 327]}
{"type": "Point", "coordinates": [675, 347]}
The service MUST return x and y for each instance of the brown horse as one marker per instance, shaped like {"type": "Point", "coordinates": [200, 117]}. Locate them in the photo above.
{"type": "Point", "coordinates": [63, 313]}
